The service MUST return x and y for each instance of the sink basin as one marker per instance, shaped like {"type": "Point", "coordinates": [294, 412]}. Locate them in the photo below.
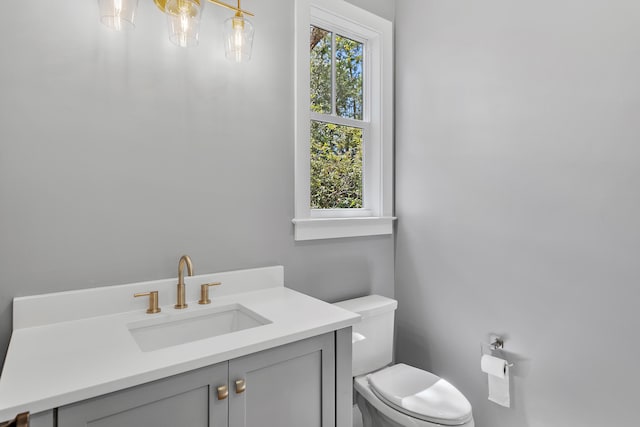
{"type": "Point", "coordinates": [181, 328]}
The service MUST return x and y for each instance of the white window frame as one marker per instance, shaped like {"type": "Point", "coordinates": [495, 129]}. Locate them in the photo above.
{"type": "Point", "coordinates": [376, 216]}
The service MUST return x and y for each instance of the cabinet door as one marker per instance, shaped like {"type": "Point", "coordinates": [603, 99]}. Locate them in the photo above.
{"type": "Point", "coordinates": [288, 386]}
{"type": "Point", "coordinates": [189, 400]}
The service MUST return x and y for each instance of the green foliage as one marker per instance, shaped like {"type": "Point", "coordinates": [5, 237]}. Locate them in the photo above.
{"type": "Point", "coordinates": [320, 71]}
{"type": "Point", "coordinates": [348, 78]}
{"type": "Point", "coordinates": [336, 151]}
{"type": "Point", "coordinates": [336, 166]}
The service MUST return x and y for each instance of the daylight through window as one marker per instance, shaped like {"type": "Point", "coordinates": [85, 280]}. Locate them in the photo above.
{"type": "Point", "coordinates": [344, 121]}
{"type": "Point", "coordinates": [336, 89]}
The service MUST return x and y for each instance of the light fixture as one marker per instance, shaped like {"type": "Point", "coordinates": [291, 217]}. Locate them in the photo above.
{"type": "Point", "coordinates": [238, 37]}
{"type": "Point", "coordinates": [118, 14]}
{"type": "Point", "coordinates": [183, 19]}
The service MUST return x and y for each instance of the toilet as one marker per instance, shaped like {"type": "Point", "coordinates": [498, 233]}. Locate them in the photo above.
{"type": "Point", "coordinates": [396, 395]}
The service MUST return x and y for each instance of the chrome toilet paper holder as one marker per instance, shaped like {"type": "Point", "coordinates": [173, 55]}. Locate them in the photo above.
{"type": "Point", "coordinates": [497, 343]}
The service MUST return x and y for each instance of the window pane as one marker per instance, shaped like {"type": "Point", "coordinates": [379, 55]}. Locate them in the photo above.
{"type": "Point", "coordinates": [336, 166]}
{"type": "Point", "coordinates": [348, 78]}
{"type": "Point", "coordinates": [320, 45]}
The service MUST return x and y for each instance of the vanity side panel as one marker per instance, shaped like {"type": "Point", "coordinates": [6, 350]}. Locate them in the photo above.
{"type": "Point", "coordinates": [344, 381]}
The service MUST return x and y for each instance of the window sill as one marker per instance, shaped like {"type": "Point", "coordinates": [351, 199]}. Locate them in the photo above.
{"type": "Point", "coordinates": [331, 228]}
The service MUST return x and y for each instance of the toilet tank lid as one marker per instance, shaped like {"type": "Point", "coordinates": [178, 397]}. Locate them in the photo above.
{"type": "Point", "coordinates": [370, 305]}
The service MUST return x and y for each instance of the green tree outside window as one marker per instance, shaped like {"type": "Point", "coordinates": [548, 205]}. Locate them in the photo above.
{"type": "Point", "coordinates": [336, 150]}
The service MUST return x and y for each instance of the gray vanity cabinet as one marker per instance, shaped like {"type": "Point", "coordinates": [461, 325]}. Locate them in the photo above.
{"type": "Point", "coordinates": [288, 386]}
{"type": "Point", "coordinates": [187, 399]}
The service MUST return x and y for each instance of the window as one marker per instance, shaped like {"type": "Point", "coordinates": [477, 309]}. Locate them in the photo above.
{"type": "Point", "coordinates": [344, 135]}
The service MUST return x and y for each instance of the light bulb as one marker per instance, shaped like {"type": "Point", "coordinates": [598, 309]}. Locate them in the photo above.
{"type": "Point", "coordinates": [183, 19]}
{"type": "Point", "coordinates": [238, 38]}
{"type": "Point", "coordinates": [184, 29]}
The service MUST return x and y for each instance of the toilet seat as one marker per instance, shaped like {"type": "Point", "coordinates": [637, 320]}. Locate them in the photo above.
{"type": "Point", "coordinates": [418, 394]}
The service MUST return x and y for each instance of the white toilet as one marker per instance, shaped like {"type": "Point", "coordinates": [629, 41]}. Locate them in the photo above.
{"type": "Point", "coordinates": [397, 395]}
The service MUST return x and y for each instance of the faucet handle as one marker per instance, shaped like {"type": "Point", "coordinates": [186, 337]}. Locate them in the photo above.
{"type": "Point", "coordinates": [204, 292]}
{"type": "Point", "coordinates": [153, 301]}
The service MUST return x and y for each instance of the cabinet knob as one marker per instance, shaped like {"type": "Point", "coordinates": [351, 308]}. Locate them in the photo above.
{"type": "Point", "coordinates": [223, 392]}
{"type": "Point", "coordinates": [21, 420]}
{"type": "Point", "coordinates": [153, 301]}
{"type": "Point", "coordinates": [241, 386]}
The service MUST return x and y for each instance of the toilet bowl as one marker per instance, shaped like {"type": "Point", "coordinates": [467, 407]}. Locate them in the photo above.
{"type": "Point", "coordinates": [397, 395]}
{"type": "Point", "coordinates": [403, 396]}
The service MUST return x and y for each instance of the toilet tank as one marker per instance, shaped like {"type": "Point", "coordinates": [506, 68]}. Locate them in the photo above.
{"type": "Point", "coordinates": [373, 335]}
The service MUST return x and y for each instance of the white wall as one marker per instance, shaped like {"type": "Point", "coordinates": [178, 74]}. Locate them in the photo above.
{"type": "Point", "coordinates": [518, 177]}
{"type": "Point", "coordinates": [120, 152]}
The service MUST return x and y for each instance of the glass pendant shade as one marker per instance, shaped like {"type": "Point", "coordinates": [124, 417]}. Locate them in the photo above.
{"type": "Point", "coordinates": [183, 18]}
{"type": "Point", "coordinates": [238, 38]}
{"type": "Point", "coordinates": [118, 14]}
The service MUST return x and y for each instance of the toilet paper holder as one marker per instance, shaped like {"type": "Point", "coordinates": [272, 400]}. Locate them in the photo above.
{"type": "Point", "coordinates": [497, 343]}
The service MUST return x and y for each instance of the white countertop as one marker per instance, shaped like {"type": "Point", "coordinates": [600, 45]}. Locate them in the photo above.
{"type": "Point", "coordinates": [66, 356]}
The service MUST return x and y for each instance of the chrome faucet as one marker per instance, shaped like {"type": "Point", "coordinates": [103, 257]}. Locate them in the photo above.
{"type": "Point", "coordinates": [184, 260]}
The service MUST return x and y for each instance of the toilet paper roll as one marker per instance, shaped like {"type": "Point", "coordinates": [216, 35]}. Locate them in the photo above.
{"type": "Point", "coordinates": [498, 370]}
{"type": "Point", "coordinates": [493, 366]}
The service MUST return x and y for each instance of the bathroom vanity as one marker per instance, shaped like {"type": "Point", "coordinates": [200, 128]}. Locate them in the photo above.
{"type": "Point", "coordinates": [258, 355]}
{"type": "Point", "coordinates": [288, 386]}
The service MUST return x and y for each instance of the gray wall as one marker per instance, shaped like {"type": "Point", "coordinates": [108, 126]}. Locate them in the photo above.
{"type": "Point", "coordinates": [384, 8]}
{"type": "Point", "coordinates": [120, 152]}
{"type": "Point", "coordinates": [517, 196]}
